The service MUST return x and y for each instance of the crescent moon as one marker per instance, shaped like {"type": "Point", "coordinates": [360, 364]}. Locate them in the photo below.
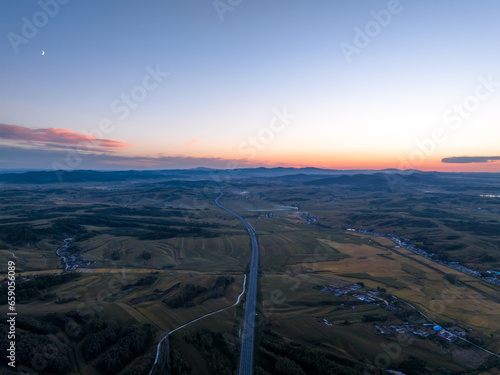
{"type": "Point", "coordinates": [43, 53]}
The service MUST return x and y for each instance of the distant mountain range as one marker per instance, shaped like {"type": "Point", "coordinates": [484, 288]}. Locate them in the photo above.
{"type": "Point", "coordinates": [310, 176]}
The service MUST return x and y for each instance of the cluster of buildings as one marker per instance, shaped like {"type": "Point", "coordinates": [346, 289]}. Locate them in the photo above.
{"type": "Point", "coordinates": [457, 331]}
{"type": "Point", "coordinates": [393, 305]}
{"type": "Point", "coordinates": [74, 261]}
{"type": "Point", "coordinates": [426, 330]}
{"type": "Point", "coordinates": [490, 211]}
{"type": "Point", "coordinates": [447, 335]}
{"type": "Point", "coordinates": [339, 291]}
{"type": "Point", "coordinates": [371, 296]}
{"type": "Point", "coordinates": [405, 328]}
{"type": "Point", "coordinates": [310, 220]}
{"type": "Point", "coordinates": [405, 242]}
{"type": "Point", "coordinates": [324, 321]}
{"type": "Point", "coordinates": [368, 296]}
{"type": "Point", "coordinates": [389, 329]}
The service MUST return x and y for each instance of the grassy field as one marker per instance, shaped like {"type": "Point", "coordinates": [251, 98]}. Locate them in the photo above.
{"type": "Point", "coordinates": [422, 283]}
{"type": "Point", "coordinates": [178, 237]}
{"type": "Point", "coordinates": [300, 303]}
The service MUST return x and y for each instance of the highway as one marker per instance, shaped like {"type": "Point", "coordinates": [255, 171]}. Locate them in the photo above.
{"type": "Point", "coordinates": [247, 335]}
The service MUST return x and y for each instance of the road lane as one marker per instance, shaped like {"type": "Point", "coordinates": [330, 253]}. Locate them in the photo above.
{"type": "Point", "coordinates": [247, 336]}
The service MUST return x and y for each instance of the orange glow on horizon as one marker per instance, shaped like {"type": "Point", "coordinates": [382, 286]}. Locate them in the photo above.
{"type": "Point", "coordinates": [339, 161]}
{"type": "Point", "coordinates": [378, 164]}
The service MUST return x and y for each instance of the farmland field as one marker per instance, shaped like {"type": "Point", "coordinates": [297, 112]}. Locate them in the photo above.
{"type": "Point", "coordinates": [155, 256]}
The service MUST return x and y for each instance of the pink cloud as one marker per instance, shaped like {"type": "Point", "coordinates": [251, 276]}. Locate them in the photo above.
{"type": "Point", "coordinates": [57, 138]}
{"type": "Point", "coordinates": [191, 142]}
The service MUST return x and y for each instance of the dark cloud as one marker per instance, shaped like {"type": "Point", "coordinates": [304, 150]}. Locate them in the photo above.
{"type": "Point", "coordinates": [470, 159]}
{"type": "Point", "coordinates": [12, 157]}
{"type": "Point", "coordinates": [50, 149]}
{"type": "Point", "coordinates": [56, 138]}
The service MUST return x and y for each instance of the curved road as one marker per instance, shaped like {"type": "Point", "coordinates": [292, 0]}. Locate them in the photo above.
{"type": "Point", "coordinates": [247, 336]}
{"type": "Point", "coordinates": [192, 321]}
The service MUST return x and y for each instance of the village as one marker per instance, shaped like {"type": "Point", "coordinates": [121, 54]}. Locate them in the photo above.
{"type": "Point", "coordinates": [405, 243]}
{"type": "Point", "coordinates": [375, 296]}
{"type": "Point", "coordinates": [379, 296]}
{"type": "Point", "coordinates": [423, 331]}
{"type": "Point", "coordinates": [71, 261]}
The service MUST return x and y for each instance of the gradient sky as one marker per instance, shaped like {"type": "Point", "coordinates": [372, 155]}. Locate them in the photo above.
{"type": "Point", "coordinates": [422, 86]}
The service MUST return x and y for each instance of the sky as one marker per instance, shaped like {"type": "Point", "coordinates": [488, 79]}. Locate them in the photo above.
{"type": "Point", "coordinates": [166, 84]}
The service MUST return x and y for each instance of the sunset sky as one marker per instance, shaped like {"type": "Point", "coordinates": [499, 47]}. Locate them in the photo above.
{"type": "Point", "coordinates": [228, 83]}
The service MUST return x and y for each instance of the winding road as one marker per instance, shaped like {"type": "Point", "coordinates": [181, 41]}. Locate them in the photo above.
{"type": "Point", "coordinates": [192, 321]}
{"type": "Point", "coordinates": [247, 336]}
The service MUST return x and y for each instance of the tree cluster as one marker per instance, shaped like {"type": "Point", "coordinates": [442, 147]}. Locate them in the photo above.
{"type": "Point", "coordinates": [36, 351]}
{"type": "Point", "coordinates": [186, 296]}
{"type": "Point", "coordinates": [279, 358]}
{"type": "Point", "coordinates": [133, 343]}
{"type": "Point", "coordinates": [220, 286]}
{"type": "Point", "coordinates": [220, 358]}
{"type": "Point", "coordinates": [31, 288]}
{"type": "Point", "coordinates": [98, 341]}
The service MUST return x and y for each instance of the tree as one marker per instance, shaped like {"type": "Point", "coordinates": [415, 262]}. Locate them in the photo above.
{"type": "Point", "coordinates": [412, 366]}
{"type": "Point", "coordinates": [286, 366]}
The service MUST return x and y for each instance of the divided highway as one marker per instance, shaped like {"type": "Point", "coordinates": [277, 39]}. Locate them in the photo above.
{"type": "Point", "coordinates": [247, 336]}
